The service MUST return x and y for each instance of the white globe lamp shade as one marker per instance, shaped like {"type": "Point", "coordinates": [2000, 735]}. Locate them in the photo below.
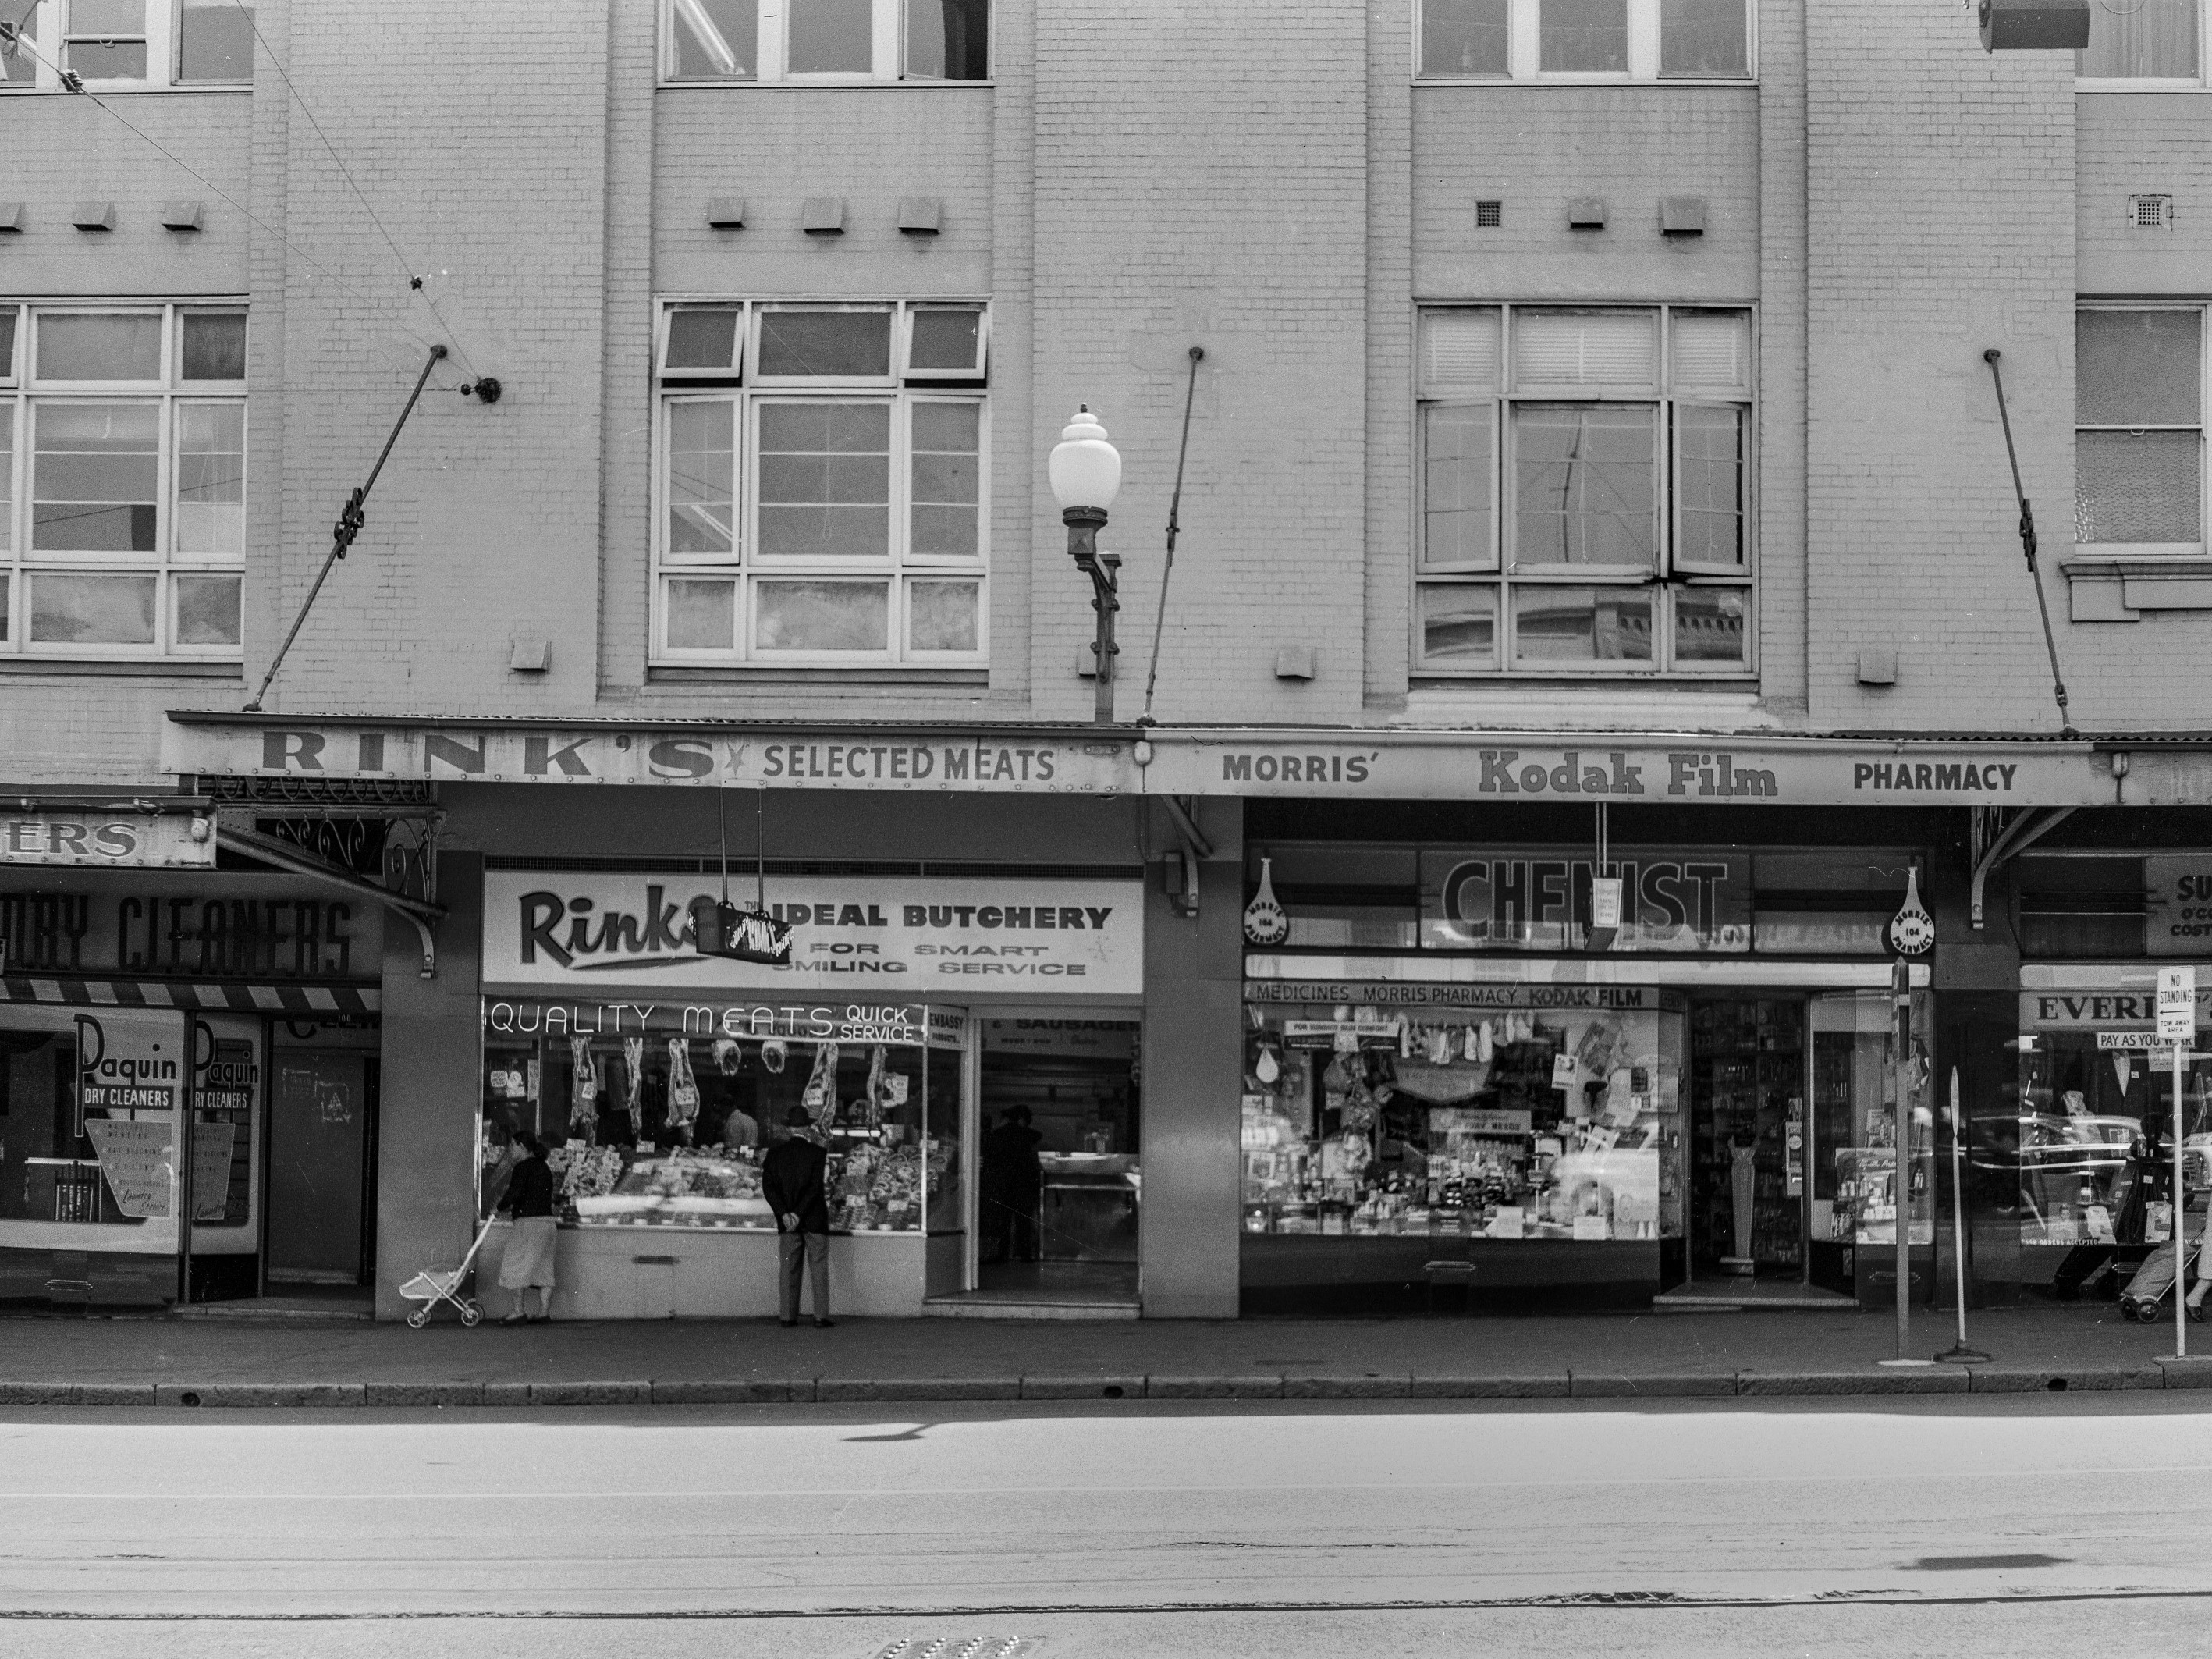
{"type": "Point", "coordinates": [1085, 469]}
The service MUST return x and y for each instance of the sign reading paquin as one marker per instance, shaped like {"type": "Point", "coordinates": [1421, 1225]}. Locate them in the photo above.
{"type": "Point", "coordinates": [595, 935]}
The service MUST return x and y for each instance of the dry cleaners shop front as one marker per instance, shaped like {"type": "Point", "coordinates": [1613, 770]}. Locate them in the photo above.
{"type": "Point", "coordinates": [659, 1078]}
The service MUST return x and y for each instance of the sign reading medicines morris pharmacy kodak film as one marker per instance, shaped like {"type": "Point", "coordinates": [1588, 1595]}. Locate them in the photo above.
{"type": "Point", "coordinates": [1540, 899]}
{"type": "Point", "coordinates": [600, 935]}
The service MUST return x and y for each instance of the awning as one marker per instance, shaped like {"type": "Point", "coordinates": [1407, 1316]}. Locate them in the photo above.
{"type": "Point", "coordinates": [301, 1001]}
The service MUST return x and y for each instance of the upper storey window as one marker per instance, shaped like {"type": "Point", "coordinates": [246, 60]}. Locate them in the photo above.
{"type": "Point", "coordinates": [2156, 41]}
{"type": "Point", "coordinates": [1585, 40]}
{"type": "Point", "coordinates": [2139, 429]}
{"type": "Point", "coordinates": [128, 46]}
{"type": "Point", "coordinates": [826, 41]}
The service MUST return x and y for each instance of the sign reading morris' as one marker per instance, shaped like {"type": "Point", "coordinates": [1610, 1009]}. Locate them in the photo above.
{"type": "Point", "coordinates": [617, 935]}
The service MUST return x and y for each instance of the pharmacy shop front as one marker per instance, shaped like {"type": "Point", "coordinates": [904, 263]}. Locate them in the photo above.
{"type": "Point", "coordinates": [965, 1050]}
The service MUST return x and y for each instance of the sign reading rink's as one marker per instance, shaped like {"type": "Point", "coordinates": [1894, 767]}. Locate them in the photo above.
{"type": "Point", "coordinates": [596, 934]}
{"type": "Point", "coordinates": [1394, 764]}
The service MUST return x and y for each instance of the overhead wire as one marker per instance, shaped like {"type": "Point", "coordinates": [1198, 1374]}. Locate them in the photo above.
{"type": "Point", "coordinates": [415, 279]}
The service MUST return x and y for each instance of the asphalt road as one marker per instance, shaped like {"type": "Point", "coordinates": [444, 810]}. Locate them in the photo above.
{"type": "Point", "coordinates": [1997, 1526]}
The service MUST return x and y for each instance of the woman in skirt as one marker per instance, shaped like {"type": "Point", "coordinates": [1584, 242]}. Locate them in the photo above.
{"type": "Point", "coordinates": [528, 1263]}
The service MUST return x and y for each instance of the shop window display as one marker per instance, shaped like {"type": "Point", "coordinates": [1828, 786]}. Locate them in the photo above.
{"type": "Point", "coordinates": [658, 1129]}
{"type": "Point", "coordinates": [1515, 1121]}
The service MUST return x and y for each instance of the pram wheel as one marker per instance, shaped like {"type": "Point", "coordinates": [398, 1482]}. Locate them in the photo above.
{"type": "Point", "coordinates": [472, 1315]}
{"type": "Point", "coordinates": [2147, 1313]}
{"type": "Point", "coordinates": [419, 1318]}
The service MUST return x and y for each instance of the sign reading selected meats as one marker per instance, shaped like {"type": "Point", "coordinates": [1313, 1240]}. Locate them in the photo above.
{"type": "Point", "coordinates": [1540, 899]}
{"type": "Point", "coordinates": [598, 935]}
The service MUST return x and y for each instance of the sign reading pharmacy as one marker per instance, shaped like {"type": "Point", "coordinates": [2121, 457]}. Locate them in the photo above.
{"type": "Point", "coordinates": [619, 935]}
{"type": "Point", "coordinates": [1391, 764]}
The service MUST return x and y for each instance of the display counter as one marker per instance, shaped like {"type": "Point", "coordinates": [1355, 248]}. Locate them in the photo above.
{"type": "Point", "coordinates": [1089, 1207]}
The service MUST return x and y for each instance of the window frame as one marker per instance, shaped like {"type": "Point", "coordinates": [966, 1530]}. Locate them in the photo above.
{"type": "Point", "coordinates": [47, 24]}
{"type": "Point", "coordinates": [887, 54]}
{"type": "Point", "coordinates": [1670, 574]}
{"type": "Point", "coordinates": [2195, 83]}
{"type": "Point", "coordinates": [2177, 552]}
{"type": "Point", "coordinates": [24, 395]}
{"type": "Point", "coordinates": [899, 567]}
{"type": "Point", "coordinates": [1524, 53]}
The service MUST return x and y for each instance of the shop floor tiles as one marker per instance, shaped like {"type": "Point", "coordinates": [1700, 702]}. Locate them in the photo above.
{"type": "Point", "coordinates": [1709, 1295]}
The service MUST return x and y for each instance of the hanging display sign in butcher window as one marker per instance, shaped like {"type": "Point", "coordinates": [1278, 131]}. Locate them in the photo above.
{"type": "Point", "coordinates": [1541, 899]}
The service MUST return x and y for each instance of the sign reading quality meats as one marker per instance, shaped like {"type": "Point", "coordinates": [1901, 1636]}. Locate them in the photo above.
{"type": "Point", "coordinates": [615, 935]}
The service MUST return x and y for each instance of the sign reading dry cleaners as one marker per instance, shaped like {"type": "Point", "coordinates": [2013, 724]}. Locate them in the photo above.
{"type": "Point", "coordinates": [613, 934]}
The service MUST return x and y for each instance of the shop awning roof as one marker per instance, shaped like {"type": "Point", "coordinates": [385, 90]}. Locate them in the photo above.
{"type": "Point", "coordinates": [299, 1001]}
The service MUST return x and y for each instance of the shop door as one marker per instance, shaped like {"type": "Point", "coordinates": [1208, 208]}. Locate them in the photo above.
{"type": "Point", "coordinates": [319, 1140]}
{"type": "Point", "coordinates": [1747, 1072]}
{"type": "Point", "coordinates": [1851, 1036]}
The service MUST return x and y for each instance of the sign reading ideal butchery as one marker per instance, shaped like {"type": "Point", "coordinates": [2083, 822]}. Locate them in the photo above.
{"type": "Point", "coordinates": [1537, 899]}
{"type": "Point", "coordinates": [610, 935]}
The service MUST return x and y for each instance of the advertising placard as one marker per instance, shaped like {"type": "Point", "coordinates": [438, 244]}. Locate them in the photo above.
{"type": "Point", "coordinates": [1542, 899]}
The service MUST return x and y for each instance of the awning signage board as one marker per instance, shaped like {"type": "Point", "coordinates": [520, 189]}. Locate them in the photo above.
{"type": "Point", "coordinates": [106, 840]}
{"type": "Point", "coordinates": [1393, 764]}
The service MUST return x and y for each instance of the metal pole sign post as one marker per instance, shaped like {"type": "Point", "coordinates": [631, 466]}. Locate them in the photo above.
{"type": "Point", "coordinates": [1900, 986]}
{"type": "Point", "coordinates": [2176, 1025]}
{"type": "Point", "coordinates": [1959, 1353]}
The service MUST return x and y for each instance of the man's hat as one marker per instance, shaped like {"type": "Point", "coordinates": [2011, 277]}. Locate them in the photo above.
{"type": "Point", "coordinates": [799, 1118]}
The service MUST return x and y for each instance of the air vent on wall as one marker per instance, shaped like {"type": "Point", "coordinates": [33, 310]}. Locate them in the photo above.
{"type": "Point", "coordinates": [2151, 212]}
{"type": "Point", "coordinates": [1488, 215]}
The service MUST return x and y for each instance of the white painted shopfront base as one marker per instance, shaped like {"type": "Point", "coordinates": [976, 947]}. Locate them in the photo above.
{"type": "Point", "coordinates": [708, 1273]}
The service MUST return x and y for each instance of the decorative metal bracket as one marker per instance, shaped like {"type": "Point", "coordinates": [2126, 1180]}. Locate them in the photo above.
{"type": "Point", "coordinates": [424, 914]}
{"type": "Point", "coordinates": [1996, 841]}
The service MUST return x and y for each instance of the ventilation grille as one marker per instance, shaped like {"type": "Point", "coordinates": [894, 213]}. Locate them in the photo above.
{"type": "Point", "coordinates": [1488, 215]}
{"type": "Point", "coordinates": [2151, 212]}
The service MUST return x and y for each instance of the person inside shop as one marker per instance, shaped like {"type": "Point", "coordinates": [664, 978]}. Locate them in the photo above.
{"type": "Point", "coordinates": [1013, 1182]}
{"type": "Point", "coordinates": [528, 1264]}
{"type": "Point", "coordinates": [791, 1181]}
{"type": "Point", "coordinates": [740, 1127]}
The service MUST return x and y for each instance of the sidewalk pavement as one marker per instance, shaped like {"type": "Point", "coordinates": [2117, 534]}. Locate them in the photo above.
{"type": "Point", "coordinates": [166, 1361]}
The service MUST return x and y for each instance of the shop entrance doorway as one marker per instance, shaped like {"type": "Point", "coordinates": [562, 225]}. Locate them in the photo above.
{"type": "Point", "coordinates": [1058, 1168]}
{"type": "Point", "coordinates": [321, 1169]}
{"type": "Point", "coordinates": [1754, 1143]}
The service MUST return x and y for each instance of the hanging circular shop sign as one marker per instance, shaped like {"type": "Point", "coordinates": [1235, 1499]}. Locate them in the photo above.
{"type": "Point", "coordinates": [1264, 920]}
{"type": "Point", "coordinates": [1912, 930]}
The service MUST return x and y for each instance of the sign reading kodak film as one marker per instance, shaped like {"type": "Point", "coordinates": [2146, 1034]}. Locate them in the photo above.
{"type": "Point", "coordinates": [594, 934]}
{"type": "Point", "coordinates": [1540, 900]}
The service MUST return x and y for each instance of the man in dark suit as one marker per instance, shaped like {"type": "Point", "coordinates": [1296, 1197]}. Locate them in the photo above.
{"type": "Point", "coordinates": [792, 1178]}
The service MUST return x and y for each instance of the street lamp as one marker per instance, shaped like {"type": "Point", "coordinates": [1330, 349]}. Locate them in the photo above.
{"type": "Point", "coordinates": [1086, 475]}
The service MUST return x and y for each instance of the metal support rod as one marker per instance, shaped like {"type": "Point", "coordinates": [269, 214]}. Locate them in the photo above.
{"type": "Point", "coordinates": [1902, 987]}
{"type": "Point", "coordinates": [1084, 524]}
{"type": "Point", "coordinates": [1959, 1353]}
{"type": "Point", "coordinates": [2180, 1234]}
{"type": "Point", "coordinates": [1174, 529]}
{"type": "Point", "coordinates": [181, 1149]}
{"type": "Point", "coordinates": [351, 518]}
{"type": "Point", "coordinates": [2028, 547]}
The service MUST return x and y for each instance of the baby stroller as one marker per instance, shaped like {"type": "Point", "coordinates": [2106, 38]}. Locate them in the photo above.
{"type": "Point", "coordinates": [2157, 1275]}
{"type": "Point", "coordinates": [432, 1286]}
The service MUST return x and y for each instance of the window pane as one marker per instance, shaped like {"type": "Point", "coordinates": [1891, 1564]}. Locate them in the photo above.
{"type": "Point", "coordinates": [843, 343]}
{"type": "Point", "coordinates": [1711, 349]}
{"type": "Point", "coordinates": [947, 457]}
{"type": "Point", "coordinates": [822, 616]}
{"type": "Point", "coordinates": [107, 60]}
{"type": "Point", "coordinates": [702, 615]}
{"type": "Point", "coordinates": [1711, 444]}
{"type": "Point", "coordinates": [716, 39]}
{"type": "Point", "coordinates": [106, 17]}
{"type": "Point", "coordinates": [1703, 37]}
{"type": "Point", "coordinates": [7, 342]}
{"type": "Point", "coordinates": [830, 37]}
{"type": "Point", "coordinates": [2137, 368]}
{"type": "Point", "coordinates": [211, 480]}
{"type": "Point", "coordinates": [1584, 37]}
{"type": "Point", "coordinates": [702, 466]}
{"type": "Point", "coordinates": [213, 345]}
{"type": "Point", "coordinates": [825, 478]}
{"type": "Point", "coordinates": [7, 477]}
{"type": "Point", "coordinates": [942, 616]}
{"type": "Point", "coordinates": [1459, 626]}
{"type": "Point", "coordinates": [74, 346]}
{"type": "Point", "coordinates": [1585, 348]}
{"type": "Point", "coordinates": [1464, 37]}
{"type": "Point", "coordinates": [1458, 351]}
{"type": "Point", "coordinates": [2136, 487]}
{"type": "Point", "coordinates": [1586, 480]}
{"type": "Point", "coordinates": [93, 477]}
{"type": "Point", "coordinates": [1582, 624]}
{"type": "Point", "coordinates": [73, 610]}
{"type": "Point", "coordinates": [207, 609]}
{"type": "Point", "coordinates": [949, 342]}
{"type": "Point", "coordinates": [1455, 484]}
{"type": "Point", "coordinates": [703, 337]}
{"type": "Point", "coordinates": [214, 41]}
{"type": "Point", "coordinates": [2142, 39]}
{"type": "Point", "coordinates": [1709, 624]}
{"type": "Point", "coordinates": [948, 39]}
{"type": "Point", "coordinates": [18, 67]}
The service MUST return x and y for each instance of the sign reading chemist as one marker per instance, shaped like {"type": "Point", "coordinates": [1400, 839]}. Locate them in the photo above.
{"type": "Point", "coordinates": [1540, 900]}
{"type": "Point", "coordinates": [906, 936]}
